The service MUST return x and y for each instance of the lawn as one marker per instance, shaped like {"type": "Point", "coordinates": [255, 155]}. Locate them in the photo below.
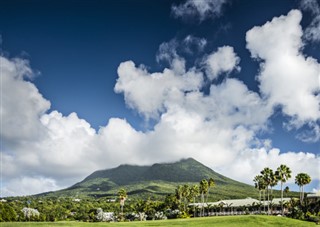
{"type": "Point", "coordinates": [245, 221]}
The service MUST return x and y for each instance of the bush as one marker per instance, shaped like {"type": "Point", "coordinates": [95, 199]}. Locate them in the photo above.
{"type": "Point", "coordinates": [314, 218]}
{"type": "Point", "coordinates": [183, 214]}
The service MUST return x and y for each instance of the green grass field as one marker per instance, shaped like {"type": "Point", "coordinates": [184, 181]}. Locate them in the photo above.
{"type": "Point", "coordinates": [236, 221]}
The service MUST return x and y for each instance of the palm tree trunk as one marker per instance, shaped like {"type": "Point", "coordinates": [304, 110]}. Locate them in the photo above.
{"type": "Point", "coordinates": [300, 188]}
{"type": "Point", "coordinates": [259, 201]}
{"type": "Point", "coordinates": [268, 200]}
{"type": "Point", "coordinates": [300, 193]}
{"type": "Point", "coordinates": [264, 200]}
{"type": "Point", "coordinates": [202, 204]}
{"type": "Point", "coordinates": [281, 199]}
{"type": "Point", "coordinates": [194, 207]}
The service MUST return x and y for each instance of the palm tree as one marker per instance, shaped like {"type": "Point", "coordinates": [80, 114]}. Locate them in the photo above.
{"type": "Point", "coordinates": [203, 190]}
{"type": "Point", "coordinates": [260, 185]}
{"type": "Point", "coordinates": [194, 192]}
{"type": "Point", "coordinates": [283, 173]}
{"type": "Point", "coordinates": [301, 180]}
{"type": "Point", "coordinates": [274, 181]}
{"type": "Point", "coordinates": [185, 194]}
{"type": "Point", "coordinates": [211, 183]}
{"type": "Point", "coordinates": [122, 193]}
{"type": "Point", "coordinates": [268, 178]}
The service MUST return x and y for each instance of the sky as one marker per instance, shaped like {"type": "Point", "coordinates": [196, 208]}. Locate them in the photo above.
{"type": "Point", "coordinates": [89, 85]}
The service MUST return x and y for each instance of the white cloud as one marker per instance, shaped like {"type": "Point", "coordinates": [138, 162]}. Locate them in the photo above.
{"type": "Point", "coordinates": [22, 104]}
{"type": "Point", "coordinates": [224, 60]}
{"type": "Point", "coordinates": [158, 88]}
{"type": "Point", "coordinates": [201, 9]}
{"type": "Point", "coordinates": [29, 185]}
{"type": "Point", "coordinates": [250, 162]}
{"type": "Point", "coordinates": [312, 32]}
{"type": "Point", "coordinates": [287, 78]}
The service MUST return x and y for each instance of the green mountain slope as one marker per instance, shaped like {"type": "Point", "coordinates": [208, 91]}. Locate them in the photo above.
{"type": "Point", "coordinates": [156, 181]}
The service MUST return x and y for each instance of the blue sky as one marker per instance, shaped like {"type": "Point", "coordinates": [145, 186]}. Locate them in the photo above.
{"type": "Point", "coordinates": [112, 82]}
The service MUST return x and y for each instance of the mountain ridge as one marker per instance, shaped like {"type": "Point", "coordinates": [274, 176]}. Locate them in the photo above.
{"type": "Point", "coordinates": [156, 181]}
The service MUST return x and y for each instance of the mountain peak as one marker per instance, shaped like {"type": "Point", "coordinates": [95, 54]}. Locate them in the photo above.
{"type": "Point", "coordinates": [156, 180]}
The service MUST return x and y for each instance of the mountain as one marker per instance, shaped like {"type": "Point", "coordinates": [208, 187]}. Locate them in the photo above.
{"type": "Point", "coordinates": [156, 181]}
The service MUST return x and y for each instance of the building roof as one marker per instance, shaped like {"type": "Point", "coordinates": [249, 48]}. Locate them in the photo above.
{"type": "Point", "coordinates": [239, 202]}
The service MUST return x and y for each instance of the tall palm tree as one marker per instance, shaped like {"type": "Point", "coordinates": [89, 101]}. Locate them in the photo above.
{"type": "Point", "coordinates": [274, 181]}
{"type": "Point", "coordinates": [260, 185]}
{"type": "Point", "coordinates": [283, 173]}
{"type": "Point", "coordinates": [301, 180]}
{"type": "Point", "coordinates": [185, 195]}
{"type": "Point", "coordinates": [203, 190]}
{"type": "Point", "coordinates": [122, 193]}
{"type": "Point", "coordinates": [211, 184]}
{"type": "Point", "coordinates": [268, 178]}
{"type": "Point", "coordinates": [194, 192]}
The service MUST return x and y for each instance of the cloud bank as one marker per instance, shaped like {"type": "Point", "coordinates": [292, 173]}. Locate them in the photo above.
{"type": "Point", "coordinates": [219, 128]}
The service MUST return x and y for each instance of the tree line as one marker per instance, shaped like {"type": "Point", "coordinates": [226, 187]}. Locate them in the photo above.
{"type": "Point", "coordinates": [267, 179]}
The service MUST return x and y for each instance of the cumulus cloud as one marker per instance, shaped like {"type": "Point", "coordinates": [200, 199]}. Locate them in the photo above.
{"type": "Point", "coordinates": [201, 9]}
{"type": "Point", "coordinates": [250, 161]}
{"type": "Point", "coordinates": [22, 104]}
{"type": "Point", "coordinates": [159, 89]}
{"type": "Point", "coordinates": [287, 78]}
{"type": "Point", "coordinates": [224, 60]}
{"type": "Point", "coordinates": [313, 30]}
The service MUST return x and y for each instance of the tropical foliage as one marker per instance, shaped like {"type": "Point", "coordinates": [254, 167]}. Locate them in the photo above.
{"type": "Point", "coordinates": [299, 209]}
